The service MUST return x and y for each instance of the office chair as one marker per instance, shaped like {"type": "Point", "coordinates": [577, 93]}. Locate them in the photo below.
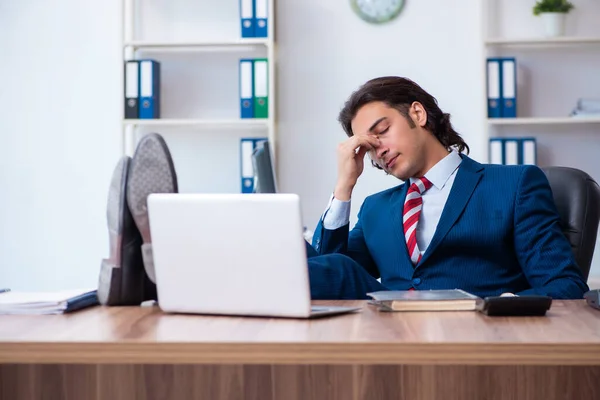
{"type": "Point", "coordinates": [577, 198]}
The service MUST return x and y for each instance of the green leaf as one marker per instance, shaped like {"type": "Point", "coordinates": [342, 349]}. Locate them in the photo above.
{"type": "Point", "coordinates": [561, 6]}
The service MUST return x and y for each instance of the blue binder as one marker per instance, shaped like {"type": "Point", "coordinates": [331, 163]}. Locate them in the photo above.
{"type": "Point", "coordinates": [247, 175]}
{"type": "Point", "coordinates": [509, 87]}
{"type": "Point", "coordinates": [528, 151]}
{"type": "Point", "coordinates": [247, 18]}
{"type": "Point", "coordinates": [494, 87]}
{"type": "Point", "coordinates": [496, 151]}
{"type": "Point", "coordinates": [246, 85]}
{"type": "Point", "coordinates": [261, 13]}
{"type": "Point", "coordinates": [149, 107]}
{"type": "Point", "coordinates": [512, 151]}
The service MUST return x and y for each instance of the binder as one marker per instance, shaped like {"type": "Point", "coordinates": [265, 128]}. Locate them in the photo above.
{"type": "Point", "coordinates": [247, 147]}
{"type": "Point", "coordinates": [149, 89]}
{"type": "Point", "coordinates": [496, 150]}
{"type": "Point", "coordinates": [247, 18]}
{"type": "Point", "coordinates": [494, 87]}
{"type": "Point", "coordinates": [43, 303]}
{"type": "Point", "coordinates": [246, 88]}
{"type": "Point", "coordinates": [246, 170]}
{"type": "Point", "coordinates": [262, 17]}
{"type": "Point", "coordinates": [509, 87]}
{"type": "Point", "coordinates": [261, 88]}
{"type": "Point", "coordinates": [511, 151]}
{"type": "Point", "coordinates": [132, 85]}
{"type": "Point", "coordinates": [529, 151]}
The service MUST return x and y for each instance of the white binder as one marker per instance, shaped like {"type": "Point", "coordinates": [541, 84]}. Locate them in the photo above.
{"type": "Point", "coordinates": [529, 151]}
{"type": "Point", "coordinates": [511, 151]}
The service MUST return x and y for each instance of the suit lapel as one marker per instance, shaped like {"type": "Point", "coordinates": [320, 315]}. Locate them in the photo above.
{"type": "Point", "coordinates": [467, 178]}
{"type": "Point", "coordinates": [396, 209]}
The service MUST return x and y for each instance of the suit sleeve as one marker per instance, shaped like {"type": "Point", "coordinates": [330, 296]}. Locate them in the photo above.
{"type": "Point", "coordinates": [343, 241]}
{"type": "Point", "coordinates": [542, 249]}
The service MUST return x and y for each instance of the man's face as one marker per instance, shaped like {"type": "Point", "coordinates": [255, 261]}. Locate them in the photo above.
{"type": "Point", "coordinates": [401, 149]}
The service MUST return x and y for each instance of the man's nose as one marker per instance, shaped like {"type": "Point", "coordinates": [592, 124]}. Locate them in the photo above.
{"type": "Point", "coordinates": [381, 151]}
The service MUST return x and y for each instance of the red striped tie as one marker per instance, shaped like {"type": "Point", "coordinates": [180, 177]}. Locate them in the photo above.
{"type": "Point", "coordinates": [410, 216]}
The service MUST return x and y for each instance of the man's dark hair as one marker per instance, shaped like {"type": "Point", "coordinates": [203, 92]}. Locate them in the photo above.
{"type": "Point", "coordinates": [399, 93]}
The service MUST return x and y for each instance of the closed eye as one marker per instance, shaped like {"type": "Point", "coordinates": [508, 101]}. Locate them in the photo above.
{"type": "Point", "coordinates": [383, 131]}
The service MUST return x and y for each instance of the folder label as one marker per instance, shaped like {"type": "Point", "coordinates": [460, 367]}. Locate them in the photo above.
{"type": "Point", "coordinates": [509, 88]}
{"type": "Point", "coordinates": [529, 151]}
{"type": "Point", "coordinates": [496, 151]}
{"type": "Point", "coordinates": [493, 88]}
{"type": "Point", "coordinates": [146, 72]}
{"type": "Point", "coordinates": [511, 151]}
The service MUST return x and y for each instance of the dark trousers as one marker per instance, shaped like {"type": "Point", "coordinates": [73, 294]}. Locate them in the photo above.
{"type": "Point", "coordinates": [338, 277]}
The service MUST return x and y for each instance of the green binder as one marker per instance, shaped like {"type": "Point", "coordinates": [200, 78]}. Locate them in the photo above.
{"type": "Point", "coordinates": [261, 88]}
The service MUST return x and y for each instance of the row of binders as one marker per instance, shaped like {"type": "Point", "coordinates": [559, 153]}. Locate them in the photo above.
{"type": "Point", "coordinates": [254, 16]}
{"type": "Point", "coordinates": [502, 87]}
{"type": "Point", "coordinates": [254, 88]}
{"type": "Point", "coordinates": [513, 151]}
{"type": "Point", "coordinates": [142, 89]}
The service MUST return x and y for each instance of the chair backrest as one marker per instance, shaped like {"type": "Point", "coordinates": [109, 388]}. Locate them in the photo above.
{"type": "Point", "coordinates": [577, 198]}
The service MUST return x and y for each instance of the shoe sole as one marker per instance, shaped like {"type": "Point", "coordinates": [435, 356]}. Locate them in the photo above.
{"type": "Point", "coordinates": [152, 171]}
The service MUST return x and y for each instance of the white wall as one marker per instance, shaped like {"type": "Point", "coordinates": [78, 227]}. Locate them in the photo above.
{"type": "Point", "coordinates": [61, 108]}
{"type": "Point", "coordinates": [320, 66]}
{"type": "Point", "coordinates": [59, 133]}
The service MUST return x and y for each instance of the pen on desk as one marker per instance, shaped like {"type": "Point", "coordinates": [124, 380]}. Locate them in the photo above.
{"type": "Point", "coordinates": [4, 290]}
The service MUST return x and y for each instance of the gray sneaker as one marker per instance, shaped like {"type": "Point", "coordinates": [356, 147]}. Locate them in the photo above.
{"type": "Point", "coordinates": [152, 171]}
{"type": "Point", "coordinates": [122, 278]}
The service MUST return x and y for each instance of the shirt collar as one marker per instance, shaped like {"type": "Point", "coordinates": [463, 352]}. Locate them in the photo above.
{"type": "Point", "coordinates": [439, 174]}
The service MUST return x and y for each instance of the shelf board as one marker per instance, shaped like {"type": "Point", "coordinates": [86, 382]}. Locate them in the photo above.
{"type": "Point", "coordinates": [199, 45]}
{"type": "Point", "coordinates": [544, 121]}
{"type": "Point", "coordinates": [203, 123]}
{"type": "Point", "coordinates": [554, 41]}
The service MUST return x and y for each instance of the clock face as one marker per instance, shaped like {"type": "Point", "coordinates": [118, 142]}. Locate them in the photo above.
{"type": "Point", "coordinates": [377, 11]}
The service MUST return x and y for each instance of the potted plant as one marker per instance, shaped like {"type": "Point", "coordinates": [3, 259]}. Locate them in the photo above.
{"type": "Point", "coordinates": [553, 13]}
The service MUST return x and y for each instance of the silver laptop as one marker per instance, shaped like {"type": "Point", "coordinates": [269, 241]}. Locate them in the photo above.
{"type": "Point", "coordinates": [231, 254]}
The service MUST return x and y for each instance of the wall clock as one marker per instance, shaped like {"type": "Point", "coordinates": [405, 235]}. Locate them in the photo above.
{"type": "Point", "coordinates": [377, 11]}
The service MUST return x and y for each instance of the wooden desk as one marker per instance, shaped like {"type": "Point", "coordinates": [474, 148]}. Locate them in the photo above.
{"type": "Point", "coordinates": [142, 353]}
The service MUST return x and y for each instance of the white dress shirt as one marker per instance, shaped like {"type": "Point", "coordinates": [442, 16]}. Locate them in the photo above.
{"type": "Point", "coordinates": [441, 175]}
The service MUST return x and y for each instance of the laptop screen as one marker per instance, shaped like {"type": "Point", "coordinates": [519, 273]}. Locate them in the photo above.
{"type": "Point", "coordinates": [264, 173]}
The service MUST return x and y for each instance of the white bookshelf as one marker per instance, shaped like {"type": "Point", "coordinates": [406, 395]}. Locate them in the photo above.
{"type": "Point", "coordinates": [552, 73]}
{"type": "Point", "coordinates": [221, 36]}
{"type": "Point", "coordinates": [200, 123]}
{"type": "Point", "coordinates": [543, 41]}
{"type": "Point", "coordinates": [544, 121]}
{"type": "Point", "coordinates": [210, 45]}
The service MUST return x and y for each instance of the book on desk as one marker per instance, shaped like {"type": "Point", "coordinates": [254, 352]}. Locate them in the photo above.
{"type": "Point", "coordinates": [55, 302]}
{"type": "Point", "coordinates": [424, 300]}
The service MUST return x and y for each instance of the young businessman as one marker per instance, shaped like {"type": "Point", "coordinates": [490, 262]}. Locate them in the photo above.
{"type": "Point", "coordinates": [454, 223]}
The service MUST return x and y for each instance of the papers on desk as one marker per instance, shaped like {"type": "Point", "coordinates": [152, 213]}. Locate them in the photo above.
{"type": "Point", "coordinates": [424, 300]}
{"type": "Point", "coordinates": [36, 303]}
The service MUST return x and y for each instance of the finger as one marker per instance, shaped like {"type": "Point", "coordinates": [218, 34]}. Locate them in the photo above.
{"type": "Point", "coordinates": [368, 141]}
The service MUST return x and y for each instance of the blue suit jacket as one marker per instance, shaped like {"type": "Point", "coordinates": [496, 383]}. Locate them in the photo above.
{"type": "Point", "coordinates": [499, 232]}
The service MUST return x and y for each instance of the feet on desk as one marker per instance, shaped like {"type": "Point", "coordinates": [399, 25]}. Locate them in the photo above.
{"type": "Point", "coordinates": [122, 278]}
{"type": "Point", "coordinates": [152, 171]}
{"type": "Point", "coordinates": [127, 276]}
